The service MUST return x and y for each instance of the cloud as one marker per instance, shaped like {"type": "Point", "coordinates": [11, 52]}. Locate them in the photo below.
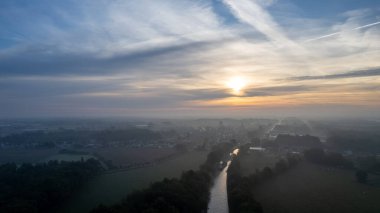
{"type": "Point", "coordinates": [279, 90]}
{"type": "Point", "coordinates": [37, 88]}
{"type": "Point", "coordinates": [132, 55]}
{"type": "Point", "coordinates": [337, 33]}
{"type": "Point", "coordinates": [35, 61]}
{"type": "Point", "coordinates": [352, 74]}
{"type": "Point", "coordinates": [212, 94]}
{"type": "Point", "coordinates": [253, 14]}
{"type": "Point", "coordinates": [105, 28]}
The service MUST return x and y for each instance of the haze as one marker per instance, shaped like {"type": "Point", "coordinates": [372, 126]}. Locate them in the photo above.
{"type": "Point", "coordinates": [189, 106]}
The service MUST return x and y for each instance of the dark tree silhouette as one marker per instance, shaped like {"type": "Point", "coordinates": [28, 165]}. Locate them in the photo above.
{"type": "Point", "coordinates": [42, 187]}
{"type": "Point", "coordinates": [281, 166]}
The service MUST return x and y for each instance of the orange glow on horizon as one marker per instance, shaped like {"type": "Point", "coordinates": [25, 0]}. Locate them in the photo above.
{"type": "Point", "coordinates": [360, 98]}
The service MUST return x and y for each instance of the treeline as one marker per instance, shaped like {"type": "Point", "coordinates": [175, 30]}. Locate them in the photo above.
{"type": "Point", "coordinates": [333, 159]}
{"type": "Point", "coordinates": [239, 188]}
{"type": "Point", "coordinates": [355, 140]}
{"type": "Point", "coordinates": [41, 139]}
{"type": "Point", "coordinates": [42, 187]}
{"type": "Point", "coordinates": [188, 194]}
{"type": "Point", "coordinates": [72, 152]}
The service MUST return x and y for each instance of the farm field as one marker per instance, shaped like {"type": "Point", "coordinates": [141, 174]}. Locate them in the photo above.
{"type": "Point", "coordinates": [250, 162]}
{"type": "Point", "coordinates": [112, 187]}
{"type": "Point", "coordinates": [312, 188]}
{"type": "Point", "coordinates": [122, 156]}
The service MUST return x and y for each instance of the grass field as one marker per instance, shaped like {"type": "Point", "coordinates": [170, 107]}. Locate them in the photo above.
{"type": "Point", "coordinates": [110, 188]}
{"type": "Point", "coordinates": [250, 162]}
{"type": "Point", "coordinates": [310, 188]}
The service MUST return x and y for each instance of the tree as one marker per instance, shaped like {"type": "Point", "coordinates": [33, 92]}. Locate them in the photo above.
{"type": "Point", "coordinates": [43, 186]}
{"type": "Point", "coordinates": [266, 173]}
{"type": "Point", "coordinates": [293, 159]}
{"type": "Point", "coordinates": [361, 176]}
{"type": "Point", "coordinates": [281, 166]}
{"type": "Point", "coordinates": [315, 155]}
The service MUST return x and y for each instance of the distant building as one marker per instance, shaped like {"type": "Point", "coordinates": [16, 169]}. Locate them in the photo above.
{"type": "Point", "coordinates": [256, 149]}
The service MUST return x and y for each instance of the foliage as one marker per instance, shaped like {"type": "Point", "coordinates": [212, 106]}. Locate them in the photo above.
{"type": "Point", "coordinates": [281, 166]}
{"type": "Point", "coordinates": [42, 187]}
{"type": "Point", "coordinates": [240, 196]}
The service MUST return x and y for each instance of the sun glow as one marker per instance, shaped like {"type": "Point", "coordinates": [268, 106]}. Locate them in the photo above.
{"type": "Point", "coordinates": [236, 84]}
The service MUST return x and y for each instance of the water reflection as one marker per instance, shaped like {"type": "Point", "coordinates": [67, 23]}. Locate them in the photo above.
{"type": "Point", "coordinates": [236, 151]}
{"type": "Point", "coordinates": [218, 201]}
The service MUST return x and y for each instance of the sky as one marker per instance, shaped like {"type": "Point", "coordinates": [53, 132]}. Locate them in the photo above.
{"type": "Point", "coordinates": [189, 58]}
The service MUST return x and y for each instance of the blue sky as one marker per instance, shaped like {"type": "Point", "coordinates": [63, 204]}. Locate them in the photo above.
{"type": "Point", "coordinates": [180, 57]}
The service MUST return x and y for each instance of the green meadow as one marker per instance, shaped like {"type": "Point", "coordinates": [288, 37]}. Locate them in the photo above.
{"type": "Point", "coordinates": [312, 188]}
{"type": "Point", "coordinates": [253, 161]}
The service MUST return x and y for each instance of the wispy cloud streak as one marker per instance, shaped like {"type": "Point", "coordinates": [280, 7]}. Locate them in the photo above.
{"type": "Point", "coordinates": [252, 13]}
{"type": "Point", "coordinates": [338, 33]}
{"type": "Point", "coordinates": [352, 74]}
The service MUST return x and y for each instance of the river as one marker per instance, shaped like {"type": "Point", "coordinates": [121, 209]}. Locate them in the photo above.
{"type": "Point", "coordinates": [218, 200]}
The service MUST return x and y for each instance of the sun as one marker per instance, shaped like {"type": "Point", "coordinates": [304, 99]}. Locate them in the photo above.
{"type": "Point", "coordinates": [236, 84]}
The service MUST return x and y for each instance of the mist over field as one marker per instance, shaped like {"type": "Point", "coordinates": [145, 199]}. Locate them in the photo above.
{"type": "Point", "coordinates": [181, 106]}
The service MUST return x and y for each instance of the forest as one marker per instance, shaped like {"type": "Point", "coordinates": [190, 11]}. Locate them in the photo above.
{"type": "Point", "coordinates": [42, 187]}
